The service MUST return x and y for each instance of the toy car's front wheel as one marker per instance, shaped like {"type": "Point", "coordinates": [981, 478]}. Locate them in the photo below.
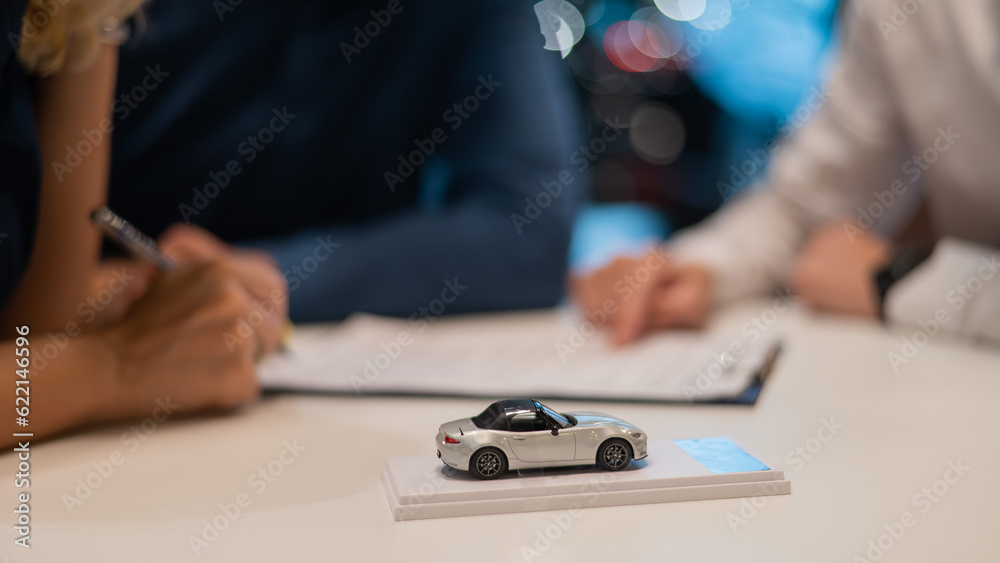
{"type": "Point", "coordinates": [488, 463]}
{"type": "Point", "coordinates": [614, 455]}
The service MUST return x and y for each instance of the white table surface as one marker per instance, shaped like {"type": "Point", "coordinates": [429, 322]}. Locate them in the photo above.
{"type": "Point", "coordinates": [900, 430]}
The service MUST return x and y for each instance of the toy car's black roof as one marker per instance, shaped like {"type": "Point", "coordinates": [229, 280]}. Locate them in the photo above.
{"type": "Point", "coordinates": [497, 415]}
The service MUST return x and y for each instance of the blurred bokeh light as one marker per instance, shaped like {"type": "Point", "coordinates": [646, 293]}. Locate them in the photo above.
{"type": "Point", "coordinates": [698, 82]}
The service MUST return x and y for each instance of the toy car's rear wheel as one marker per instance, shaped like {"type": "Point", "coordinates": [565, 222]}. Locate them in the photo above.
{"type": "Point", "coordinates": [488, 463]}
{"type": "Point", "coordinates": [614, 455]}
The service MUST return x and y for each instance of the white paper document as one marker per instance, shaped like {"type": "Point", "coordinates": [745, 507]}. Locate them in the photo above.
{"type": "Point", "coordinates": [549, 354]}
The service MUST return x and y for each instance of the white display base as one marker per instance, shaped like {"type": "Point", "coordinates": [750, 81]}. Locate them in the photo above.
{"type": "Point", "coordinates": [421, 487]}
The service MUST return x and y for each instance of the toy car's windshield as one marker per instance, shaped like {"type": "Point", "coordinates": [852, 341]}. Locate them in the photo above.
{"type": "Point", "coordinates": [552, 415]}
{"type": "Point", "coordinates": [493, 418]}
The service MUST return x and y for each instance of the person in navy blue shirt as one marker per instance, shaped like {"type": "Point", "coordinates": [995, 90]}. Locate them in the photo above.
{"type": "Point", "coordinates": [20, 163]}
{"type": "Point", "coordinates": [89, 341]}
{"type": "Point", "coordinates": [389, 155]}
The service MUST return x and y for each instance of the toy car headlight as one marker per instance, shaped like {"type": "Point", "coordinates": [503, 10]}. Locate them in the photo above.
{"type": "Point", "coordinates": [637, 434]}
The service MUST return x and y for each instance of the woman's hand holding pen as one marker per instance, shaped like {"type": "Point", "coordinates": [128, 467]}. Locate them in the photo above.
{"type": "Point", "coordinates": [258, 274]}
{"type": "Point", "coordinates": [117, 284]}
{"type": "Point", "coordinates": [196, 333]}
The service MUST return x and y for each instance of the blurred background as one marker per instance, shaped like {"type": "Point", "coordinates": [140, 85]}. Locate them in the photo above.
{"type": "Point", "coordinates": [680, 100]}
{"type": "Point", "coordinates": [705, 88]}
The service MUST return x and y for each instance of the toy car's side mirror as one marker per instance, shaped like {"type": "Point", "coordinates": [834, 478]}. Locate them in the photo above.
{"type": "Point", "coordinates": [555, 431]}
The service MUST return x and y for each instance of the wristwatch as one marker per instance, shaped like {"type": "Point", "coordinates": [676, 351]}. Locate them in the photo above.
{"type": "Point", "coordinates": [903, 262]}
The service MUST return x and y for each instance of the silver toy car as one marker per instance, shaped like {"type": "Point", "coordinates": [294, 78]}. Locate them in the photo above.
{"type": "Point", "coordinates": [523, 433]}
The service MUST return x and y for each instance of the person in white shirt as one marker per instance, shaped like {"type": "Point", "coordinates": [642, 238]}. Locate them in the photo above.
{"type": "Point", "coordinates": [910, 127]}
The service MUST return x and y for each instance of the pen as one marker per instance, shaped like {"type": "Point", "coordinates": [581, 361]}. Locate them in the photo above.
{"type": "Point", "coordinates": [140, 245]}
{"type": "Point", "coordinates": [131, 238]}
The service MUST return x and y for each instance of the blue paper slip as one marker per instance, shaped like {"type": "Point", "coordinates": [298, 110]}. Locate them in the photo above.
{"type": "Point", "coordinates": [720, 455]}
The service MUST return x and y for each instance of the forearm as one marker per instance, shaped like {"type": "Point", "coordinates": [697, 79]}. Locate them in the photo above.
{"type": "Point", "coordinates": [72, 113]}
{"type": "Point", "coordinates": [401, 264]}
{"type": "Point", "coordinates": [823, 173]}
{"type": "Point", "coordinates": [73, 388]}
{"type": "Point", "coordinates": [748, 247]}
